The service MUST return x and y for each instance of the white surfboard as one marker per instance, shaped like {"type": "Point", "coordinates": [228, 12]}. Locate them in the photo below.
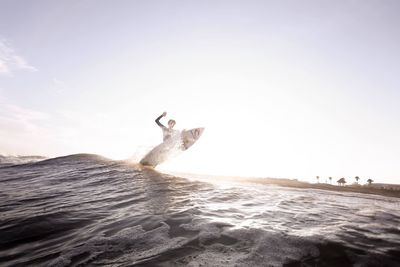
{"type": "Point", "coordinates": [171, 147]}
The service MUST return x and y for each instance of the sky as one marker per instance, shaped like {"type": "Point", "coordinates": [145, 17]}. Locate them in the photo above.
{"type": "Point", "coordinates": [290, 89]}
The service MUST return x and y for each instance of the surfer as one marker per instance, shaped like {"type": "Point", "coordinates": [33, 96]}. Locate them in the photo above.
{"type": "Point", "coordinates": [174, 142]}
{"type": "Point", "coordinates": [168, 132]}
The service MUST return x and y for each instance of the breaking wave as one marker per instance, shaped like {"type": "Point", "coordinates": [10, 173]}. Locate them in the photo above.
{"type": "Point", "coordinates": [88, 210]}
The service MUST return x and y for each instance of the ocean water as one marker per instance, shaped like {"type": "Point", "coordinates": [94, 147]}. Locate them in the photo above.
{"type": "Point", "coordinates": [85, 210]}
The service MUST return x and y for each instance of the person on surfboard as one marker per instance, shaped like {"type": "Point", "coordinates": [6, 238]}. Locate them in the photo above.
{"type": "Point", "coordinates": [168, 132]}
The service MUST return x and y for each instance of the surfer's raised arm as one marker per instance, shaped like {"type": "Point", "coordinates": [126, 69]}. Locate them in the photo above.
{"type": "Point", "coordinates": [159, 118]}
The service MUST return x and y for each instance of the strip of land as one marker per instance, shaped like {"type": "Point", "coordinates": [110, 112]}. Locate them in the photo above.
{"type": "Point", "coordinates": [388, 190]}
{"type": "Point", "coordinates": [376, 189]}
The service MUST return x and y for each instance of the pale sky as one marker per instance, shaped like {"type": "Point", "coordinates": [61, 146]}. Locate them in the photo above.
{"type": "Point", "coordinates": [290, 89]}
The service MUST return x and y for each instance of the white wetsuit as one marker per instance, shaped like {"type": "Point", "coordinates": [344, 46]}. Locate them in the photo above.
{"type": "Point", "coordinates": [167, 132]}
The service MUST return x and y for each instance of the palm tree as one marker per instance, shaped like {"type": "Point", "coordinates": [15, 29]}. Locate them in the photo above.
{"type": "Point", "coordinates": [341, 181]}
{"type": "Point", "coordinates": [330, 180]}
{"type": "Point", "coordinates": [318, 179]}
{"type": "Point", "coordinates": [357, 178]}
{"type": "Point", "coordinates": [370, 181]}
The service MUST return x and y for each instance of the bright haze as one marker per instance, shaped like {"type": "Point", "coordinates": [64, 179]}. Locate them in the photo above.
{"type": "Point", "coordinates": [289, 89]}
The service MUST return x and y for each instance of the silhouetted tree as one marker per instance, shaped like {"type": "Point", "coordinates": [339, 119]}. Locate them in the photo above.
{"type": "Point", "coordinates": [370, 181]}
{"type": "Point", "coordinates": [318, 179]}
{"type": "Point", "coordinates": [341, 181]}
{"type": "Point", "coordinates": [330, 180]}
{"type": "Point", "coordinates": [357, 178]}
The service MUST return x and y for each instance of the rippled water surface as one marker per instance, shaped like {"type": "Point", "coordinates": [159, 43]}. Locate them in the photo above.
{"type": "Point", "coordinates": [83, 210]}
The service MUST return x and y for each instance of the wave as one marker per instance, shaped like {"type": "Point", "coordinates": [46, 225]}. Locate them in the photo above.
{"type": "Point", "coordinates": [85, 158]}
{"type": "Point", "coordinates": [84, 209]}
{"type": "Point", "coordinates": [17, 160]}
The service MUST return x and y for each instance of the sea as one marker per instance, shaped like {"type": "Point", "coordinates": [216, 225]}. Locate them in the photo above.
{"type": "Point", "coordinates": [86, 210]}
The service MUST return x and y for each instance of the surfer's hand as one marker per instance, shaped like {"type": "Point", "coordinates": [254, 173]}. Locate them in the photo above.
{"type": "Point", "coordinates": [164, 114]}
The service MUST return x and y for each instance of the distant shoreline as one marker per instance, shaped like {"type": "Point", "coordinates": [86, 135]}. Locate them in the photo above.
{"type": "Point", "coordinates": [374, 189]}
{"type": "Point", "coordinates": [363, 189]}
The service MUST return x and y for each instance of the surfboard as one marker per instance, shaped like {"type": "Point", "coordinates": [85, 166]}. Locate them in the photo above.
{"type": "Point", "coordinates": [189, 137]}
{"type": "Point", "coordinates": [172, 147]}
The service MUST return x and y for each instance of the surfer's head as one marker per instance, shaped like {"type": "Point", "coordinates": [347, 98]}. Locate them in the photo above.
{"type": "Point", "coordinates": [171, 123]}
